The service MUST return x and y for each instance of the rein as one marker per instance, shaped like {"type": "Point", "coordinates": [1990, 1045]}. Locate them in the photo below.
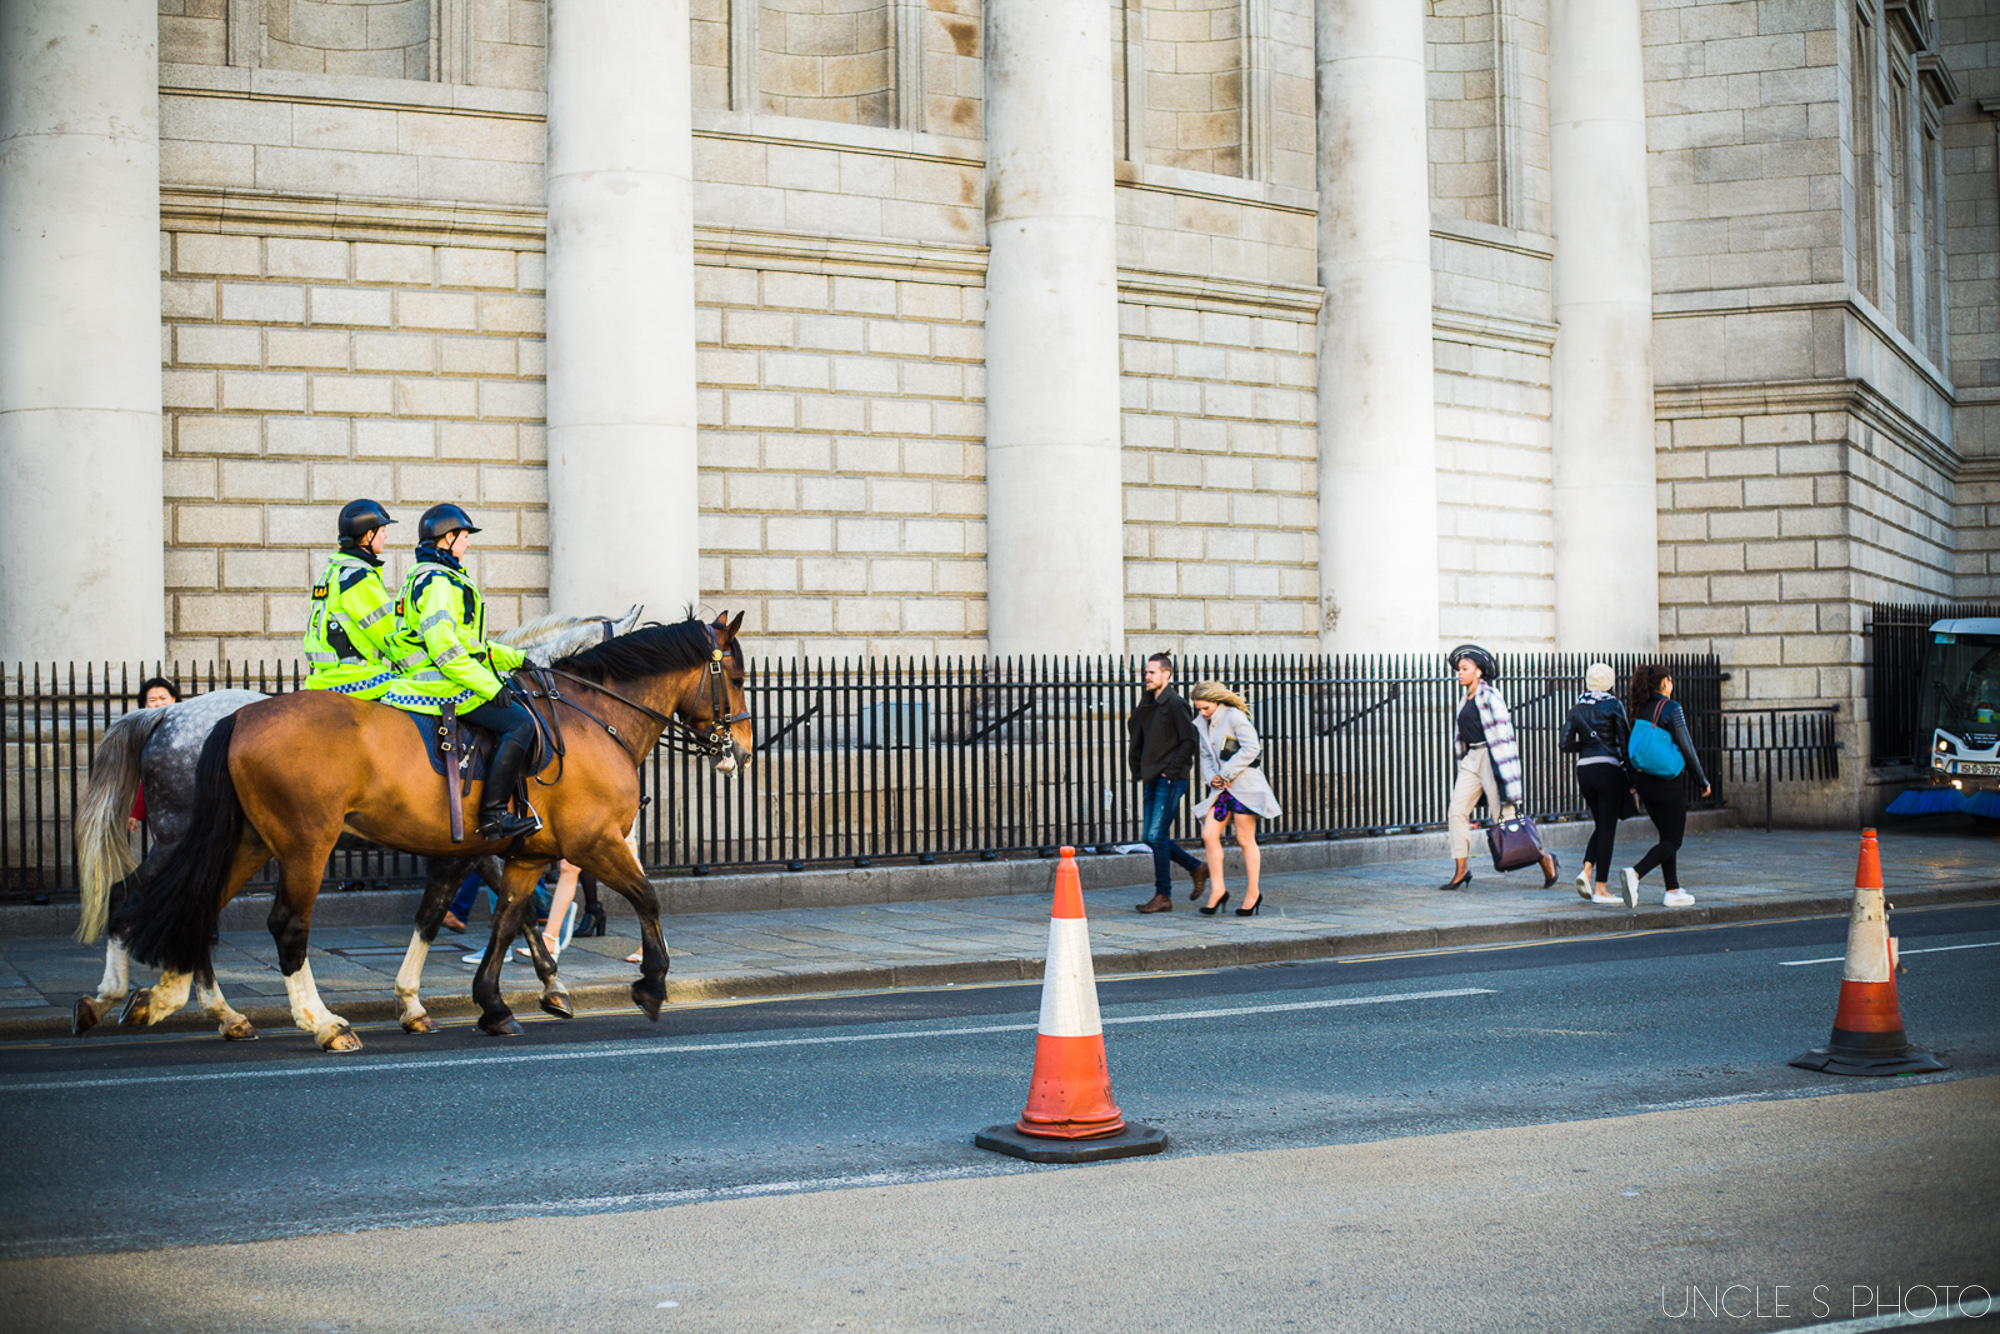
{"type": "Point", "coordinates": [713, 739]}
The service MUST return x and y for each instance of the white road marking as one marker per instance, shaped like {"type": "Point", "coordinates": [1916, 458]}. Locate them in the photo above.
{"type": "Point", "coordinates": [336, 1066]}
{"type": "Point", "coordinates": [1929, 949]}
{"type": "Point", "coordinates": [1894, 1320]}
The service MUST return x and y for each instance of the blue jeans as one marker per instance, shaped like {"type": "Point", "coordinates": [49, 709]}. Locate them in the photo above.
{"type": "Point", "coordinates": [1163, 802]}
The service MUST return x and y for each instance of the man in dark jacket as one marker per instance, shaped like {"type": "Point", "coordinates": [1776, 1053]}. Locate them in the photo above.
{"type": "Point", "coordinates": [1163, 745]}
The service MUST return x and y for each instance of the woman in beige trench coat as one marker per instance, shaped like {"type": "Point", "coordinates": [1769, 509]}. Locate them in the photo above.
{"type": "Point", "coordinates": [1233, 780]}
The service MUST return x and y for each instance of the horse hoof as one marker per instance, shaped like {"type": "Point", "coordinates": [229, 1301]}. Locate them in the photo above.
{"type": "Point", "coordinates": [241, 1031]}
{"type": "Point", "coordinates": [83, 1016]}
{"type": "Point", "coordinates": [341, 1039]}
{"type": "Point", "coordinates": [557, 1004]}
{"type": "Point", "coordinates": [500, 1026]}
{"type": "Point", "coordinates": [647, 1001]}
{"type": "Point", "coordinates": [136, 1013]}
{"type": "Point", "coordinates": [421, 1023]}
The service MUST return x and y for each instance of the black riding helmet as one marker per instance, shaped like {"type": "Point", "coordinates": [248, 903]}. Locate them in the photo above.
{"type": "Point", "coordinates": [358, 518]}
{"type": "Point", "coordinates": [1488, 665]}
{"type": "Point", "coordinates": [441, 521]}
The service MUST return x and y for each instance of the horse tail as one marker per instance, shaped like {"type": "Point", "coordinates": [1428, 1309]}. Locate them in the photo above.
{"type": "Point", "coordinates": [103, 840]}
{"type": "Point", "coordinates": [168, 920]}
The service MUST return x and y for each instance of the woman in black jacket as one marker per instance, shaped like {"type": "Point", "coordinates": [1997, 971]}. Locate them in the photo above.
{"type": "Point", "coordinates": [1652, 699]}
{"type": "Point", "coordinates": [1595, 733]}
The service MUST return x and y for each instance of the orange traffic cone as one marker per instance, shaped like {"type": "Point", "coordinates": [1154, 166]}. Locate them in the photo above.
{"type": "Point", "coordinates": [1070, 1116]}
{"type": "Point", "coordinates": [1868, 1034]}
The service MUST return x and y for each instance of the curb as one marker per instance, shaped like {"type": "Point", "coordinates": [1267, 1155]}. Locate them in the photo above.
{"type": "Point", "coordinates": [375, 1009]}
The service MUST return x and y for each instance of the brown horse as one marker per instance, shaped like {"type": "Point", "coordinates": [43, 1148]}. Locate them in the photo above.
{"type": "Point", "coordinates": [284, 777]}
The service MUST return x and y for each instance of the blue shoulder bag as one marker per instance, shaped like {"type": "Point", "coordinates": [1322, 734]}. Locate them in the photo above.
{"type": "Point", "coordinates": [1651, 749]}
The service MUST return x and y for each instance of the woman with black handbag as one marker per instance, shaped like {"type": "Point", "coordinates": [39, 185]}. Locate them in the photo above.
{"type": "Point", "coordinates": [1489, 763]}
{"type": "Point", "coordinates": [1659, 729]}
{"type": "Point", "coordinates": [1595, 733]}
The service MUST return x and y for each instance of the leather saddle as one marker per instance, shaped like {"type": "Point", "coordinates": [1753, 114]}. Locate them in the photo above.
{"type": "Point", "coordinates": [454, 747]}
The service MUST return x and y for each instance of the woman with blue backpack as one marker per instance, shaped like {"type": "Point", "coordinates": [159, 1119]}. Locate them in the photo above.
{"type": "Point", "coordinates": [1655, 757]}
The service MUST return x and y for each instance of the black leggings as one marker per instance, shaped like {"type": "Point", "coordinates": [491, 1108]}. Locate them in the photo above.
{"type": "Point", "coordinates": [1603, 788]}
{"type": "Point", "coordinates": [507, 721]}
{"type": "Point", "coordinates": [1666, 805]}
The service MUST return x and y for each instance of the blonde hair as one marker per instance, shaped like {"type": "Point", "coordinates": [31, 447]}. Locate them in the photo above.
{"type": "Point", "coordinates": [1599, 677]}
{"type": "Point", "coordinates": [1217, 693]}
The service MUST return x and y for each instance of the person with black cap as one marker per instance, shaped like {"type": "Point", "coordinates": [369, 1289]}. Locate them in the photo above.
{"type": "Point", "coordinates": [1489, 760]}
{"type": "Point", "coordinates": [348, 637]}
{"type": "Point", "coordinates": [444, 658]}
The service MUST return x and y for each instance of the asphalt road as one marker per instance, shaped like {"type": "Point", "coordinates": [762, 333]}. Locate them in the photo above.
{"type": "Point", "coordinates": [125, 1143]}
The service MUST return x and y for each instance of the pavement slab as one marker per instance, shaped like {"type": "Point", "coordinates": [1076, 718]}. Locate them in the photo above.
{"type": "Point", "coordinates": [1735, 875]}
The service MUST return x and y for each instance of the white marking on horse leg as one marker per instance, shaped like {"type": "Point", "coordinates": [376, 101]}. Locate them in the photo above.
{"type": "Point", "coordinates": [217, 1007]}
{"type": "Point", "coordinates": [410, 975]}
{"type": "Point", "coordinates": [169, 994]}
{"type": "Point", "coordinates": [117, 979]}
{"type": "Point", "coordinates": [308, 1010]}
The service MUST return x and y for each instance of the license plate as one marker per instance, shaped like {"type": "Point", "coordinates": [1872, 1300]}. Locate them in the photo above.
{"type": "Point", "coordinates": [1977, 767]}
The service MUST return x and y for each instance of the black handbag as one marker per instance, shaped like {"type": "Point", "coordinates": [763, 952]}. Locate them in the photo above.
{"type": "Point", "coordinates": [1514, 843]}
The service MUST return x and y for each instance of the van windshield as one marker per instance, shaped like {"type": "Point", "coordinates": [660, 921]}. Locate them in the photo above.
{"type": "Point", "coordinates": [1962, 687]}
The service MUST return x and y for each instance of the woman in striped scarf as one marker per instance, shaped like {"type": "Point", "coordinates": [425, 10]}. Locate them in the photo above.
{"type": "Point", "coordinates": [1489, 761]}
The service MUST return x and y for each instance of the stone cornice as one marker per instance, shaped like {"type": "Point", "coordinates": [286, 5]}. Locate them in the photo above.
{"type": "Point", "coordinates": [350, 90]}
{"type": "Point", "coordinates": [1511, 239]}
{"type": "Point", "coordinates": [1805, 296]}
{"type": "Point", "coordinates": [1514, 335]}
{"type": "Point", "coordinates": [851, 256]}
{"type": "Point", "coordinates": [1778, 397]}
{"type": "Point", "coordinates": [351, 218]}
{"type": "Point", "coordinates": [1242, 296]}
{"type": "Point", "coordinates": [1980, 470]}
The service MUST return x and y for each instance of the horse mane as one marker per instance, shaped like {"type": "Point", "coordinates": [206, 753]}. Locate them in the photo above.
{"type": "Point", "coordinates": [647, 651]}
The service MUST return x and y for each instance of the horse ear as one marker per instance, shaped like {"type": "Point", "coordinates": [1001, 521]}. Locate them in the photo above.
{"type": "Point", "coordinates": [736, 625]}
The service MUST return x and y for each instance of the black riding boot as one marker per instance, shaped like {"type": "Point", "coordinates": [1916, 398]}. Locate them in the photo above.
{"type": "Point", "coordinates": [502, 773]}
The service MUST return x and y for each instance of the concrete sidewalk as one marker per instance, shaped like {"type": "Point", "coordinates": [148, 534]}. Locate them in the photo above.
{"type": "Point", "coordinates": [1735, 875]}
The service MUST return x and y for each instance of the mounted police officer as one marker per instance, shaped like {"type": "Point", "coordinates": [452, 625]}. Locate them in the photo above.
{"type": "Point", "coordinates": [445, 657]}
{"type": "Point", "coordinates": [348, 638]}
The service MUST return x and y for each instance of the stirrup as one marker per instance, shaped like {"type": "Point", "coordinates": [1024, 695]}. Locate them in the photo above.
{"type": "Point", "coordinates": [503, 823]}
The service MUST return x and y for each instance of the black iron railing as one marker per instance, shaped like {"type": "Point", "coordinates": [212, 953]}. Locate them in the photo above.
{"type": "Point", "coordinates": [1897, 631]}
{"type": "Point", "coordinates": [865, 761]}
{"type": "Point", "coordinates": [1788, 744]}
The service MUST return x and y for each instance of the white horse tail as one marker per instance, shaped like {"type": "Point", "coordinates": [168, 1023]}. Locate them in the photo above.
{"type": "Point", "coordinates": [103, 841]}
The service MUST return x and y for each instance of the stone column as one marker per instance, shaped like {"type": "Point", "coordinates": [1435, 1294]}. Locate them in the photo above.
{"type": "Point", "coordinates": [1607, 582]}
{"type": "Point", "coordinates": [1378, 534]}
{"type": "Point", "coordinates": [623, 509]}
{"type": "Point", "coordinates": [82, 552]}
{"type": "Point", "coordinates": [1054, 508]}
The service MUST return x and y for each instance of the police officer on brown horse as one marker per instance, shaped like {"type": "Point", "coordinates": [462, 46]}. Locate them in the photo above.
{"type": "Point", "coordinates": [444, 658]}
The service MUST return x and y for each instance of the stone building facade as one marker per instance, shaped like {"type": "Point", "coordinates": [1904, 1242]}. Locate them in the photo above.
{"type": "Point", "coordinates": [1548, 323]}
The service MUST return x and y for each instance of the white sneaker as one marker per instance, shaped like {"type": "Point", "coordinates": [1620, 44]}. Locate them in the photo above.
{"type": "Point", "coordinates": [1608, 899]}
{"type": "Point", "coordinates": [1583, 883]}
{"type": "Point", "coordinates": [1678, 898]}
{"type": "Point", "coordinates": [1631, 878]}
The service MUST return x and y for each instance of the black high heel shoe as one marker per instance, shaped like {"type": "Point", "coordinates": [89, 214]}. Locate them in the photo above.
{"type": "Point", "coordinates": [1461, 882]}
{"type": "Point", "coordinates": [1556, 866]}
{"type": "Point", "coordinates": [1211, 909]}
{"type": "Point", "coordinates": [1251, 911]}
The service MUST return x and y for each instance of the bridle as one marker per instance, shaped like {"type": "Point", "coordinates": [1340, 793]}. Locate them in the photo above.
{"type": "Point", "coordinates": [711, 739]}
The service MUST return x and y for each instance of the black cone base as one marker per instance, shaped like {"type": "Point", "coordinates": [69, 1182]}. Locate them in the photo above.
{"type": "Point", "coordinates": [1130, 1142]}
{"type": "Point", "coordinates": [1908, 1061]}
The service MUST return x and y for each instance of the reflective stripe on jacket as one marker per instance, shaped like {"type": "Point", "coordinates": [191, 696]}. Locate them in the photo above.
{"type": "Point", "coordinates": [440, 648]}
{"type": "Point", "coordinates": [347, 641]}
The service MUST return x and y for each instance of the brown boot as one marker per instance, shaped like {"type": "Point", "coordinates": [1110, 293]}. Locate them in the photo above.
{"type": "Point", "coordinates": [1158, 903]}
{"type": "Point", "coordinates": [1200, 874]}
